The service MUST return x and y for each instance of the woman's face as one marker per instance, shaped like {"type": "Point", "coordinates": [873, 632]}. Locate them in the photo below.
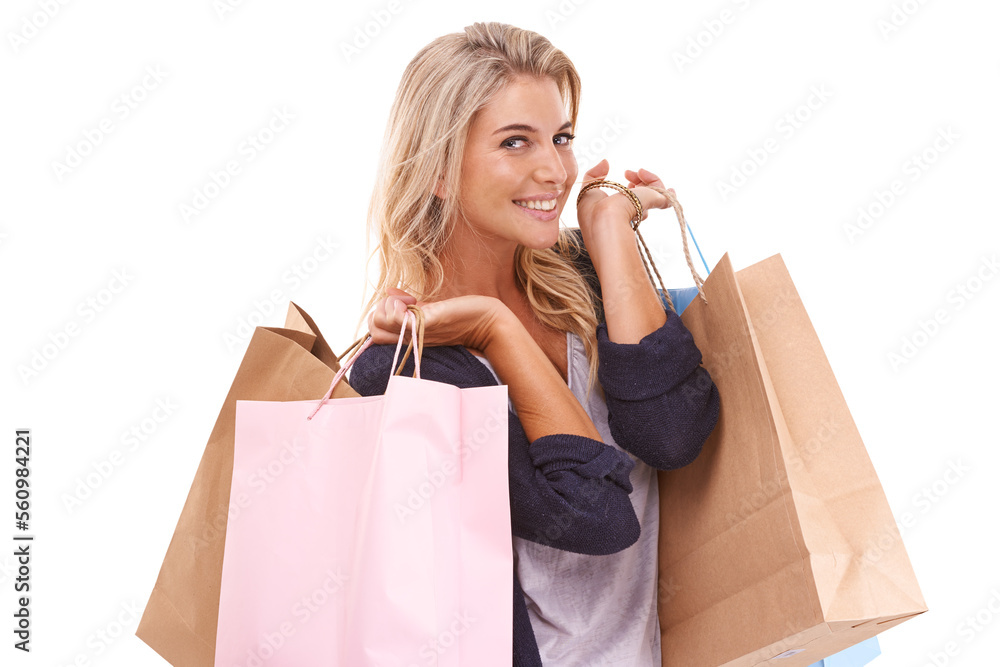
{"type": "Point", "coordinates": [518, 164]}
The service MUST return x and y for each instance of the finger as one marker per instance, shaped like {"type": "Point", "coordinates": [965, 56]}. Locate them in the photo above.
{"type": "Point", "coordinates": [378, 328]}
{"type": "Point", "coordinates": [668, 194]}
{"type": "Point", "coordinates": [643, 177]}
{"type": "Point", "coordinates": [599, 170]}
{"type": "Point", "coordinates": [391, 314]}
{"type": "Point", "coordinates": [651, 180]}
{"type": "Point", "coordinates": [399, 312]}
{"type": "Point", "coordinates": [395, 291]}
{"type": "Point", "coordinates": [651, 197]}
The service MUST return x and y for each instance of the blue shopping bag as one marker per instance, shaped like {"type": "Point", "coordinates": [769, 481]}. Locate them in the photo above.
{"type": "Point", "coordinates": [681, 297]}
{"type": "Point", "coordinates": [856, 656]}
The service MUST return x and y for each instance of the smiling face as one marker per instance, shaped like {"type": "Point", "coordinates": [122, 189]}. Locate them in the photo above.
{"type": "Point", "coordinates": [518, 166]}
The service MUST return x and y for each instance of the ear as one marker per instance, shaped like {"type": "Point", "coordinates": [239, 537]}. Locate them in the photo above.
{"type": "Point", "coordinates": [439, 189]}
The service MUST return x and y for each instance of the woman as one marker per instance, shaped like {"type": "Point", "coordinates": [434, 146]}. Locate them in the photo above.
{"type": "Point", "coordinates": [477, 167]}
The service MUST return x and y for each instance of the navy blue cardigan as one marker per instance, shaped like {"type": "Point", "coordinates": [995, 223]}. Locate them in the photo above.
{"type": "Point", "coordinates": [568, 491]}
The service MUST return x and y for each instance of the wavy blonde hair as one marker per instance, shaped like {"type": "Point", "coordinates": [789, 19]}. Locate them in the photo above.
{"type": "Point", "coordinates": [441, 90]}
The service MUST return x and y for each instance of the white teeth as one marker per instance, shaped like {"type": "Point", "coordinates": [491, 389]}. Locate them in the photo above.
{"type": "Point", "coordinates": [538, 204]}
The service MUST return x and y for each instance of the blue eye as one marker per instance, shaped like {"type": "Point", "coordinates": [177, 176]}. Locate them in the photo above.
{"type": "Point", "coordinates": [507, 142]}
{"type": "Point", "coordinates": [563, 139]}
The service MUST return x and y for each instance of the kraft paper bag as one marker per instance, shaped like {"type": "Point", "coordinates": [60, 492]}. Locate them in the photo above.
{"type": "Point", "coordinates": [777, 545]}
{"type": "Point", "coordinates": [372, 530]}
{"type": "Point", "coordinates": [180, 618]}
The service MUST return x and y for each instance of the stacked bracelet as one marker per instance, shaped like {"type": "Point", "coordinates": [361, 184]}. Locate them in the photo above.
{"type": "Point", "coordinates": [601, 183]}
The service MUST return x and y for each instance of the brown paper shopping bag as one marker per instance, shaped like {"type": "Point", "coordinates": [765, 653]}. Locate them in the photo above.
{"type": "Point", "coordinates": [777, 545]}
{"type": "Point", "coordinates": [181, 617]}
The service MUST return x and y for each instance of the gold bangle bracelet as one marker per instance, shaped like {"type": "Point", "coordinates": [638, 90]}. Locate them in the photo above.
{"type": "Point", "coordinates": [601, 183]}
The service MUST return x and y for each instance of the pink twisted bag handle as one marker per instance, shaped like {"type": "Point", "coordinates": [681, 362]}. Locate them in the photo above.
{"type": "Point", "coordinates": [417, 334]}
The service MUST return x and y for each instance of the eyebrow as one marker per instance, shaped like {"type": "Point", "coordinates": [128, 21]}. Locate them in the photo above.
{"type": "Point", "coordinates": [520, 127]}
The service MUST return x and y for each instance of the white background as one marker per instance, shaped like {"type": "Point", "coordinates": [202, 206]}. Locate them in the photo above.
{"type": "Point", "coordinates": [889, 90]}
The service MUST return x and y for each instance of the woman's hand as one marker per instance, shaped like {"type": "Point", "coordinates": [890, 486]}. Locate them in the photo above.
{"type": "Point", "coordinates": [470, 321]}
{"type": "Point", "coordinates": [604, 213]}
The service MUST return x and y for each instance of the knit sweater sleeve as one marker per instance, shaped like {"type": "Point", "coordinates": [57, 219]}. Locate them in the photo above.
{"type": "Point", "coordinates": [662, 404]}
{"type": "Point", "coordinates": [566, 491]}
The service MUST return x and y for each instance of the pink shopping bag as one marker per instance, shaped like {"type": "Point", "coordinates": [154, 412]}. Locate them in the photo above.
{"type": "Point", "coordinates": [370, 530]}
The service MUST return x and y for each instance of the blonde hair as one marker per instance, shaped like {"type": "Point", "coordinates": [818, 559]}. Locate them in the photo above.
{"type": "Point", "coordinates": [441, 90]}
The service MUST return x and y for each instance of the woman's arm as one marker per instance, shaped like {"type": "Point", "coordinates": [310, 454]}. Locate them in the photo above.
{"type": "Point", "coordinates": [568, 491]}
{"type": "Point", "coordinates": [571, 489]}
{"type": "Point", "coordinates": [662, 405]}
{"type": "Point", "coordinates": [544, 402]}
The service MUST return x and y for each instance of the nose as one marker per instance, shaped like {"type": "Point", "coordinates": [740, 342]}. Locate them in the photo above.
{"type": "Point", "coordinates": [550, 167]}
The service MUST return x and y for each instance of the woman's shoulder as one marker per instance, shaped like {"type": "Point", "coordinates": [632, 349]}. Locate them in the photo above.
{"type": "Point", "coordinates": [370, 372]}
